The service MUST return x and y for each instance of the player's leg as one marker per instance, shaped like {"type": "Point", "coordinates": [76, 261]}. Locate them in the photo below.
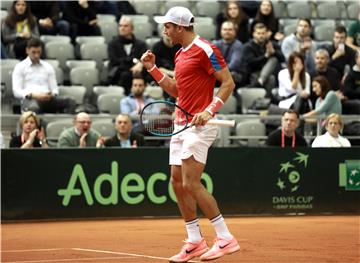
{"type": "Point", "coordinates": [195, 245]}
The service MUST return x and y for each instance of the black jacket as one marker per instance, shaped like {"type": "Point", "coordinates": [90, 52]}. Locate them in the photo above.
{"type": "Point", "coordinates": [115, 142]}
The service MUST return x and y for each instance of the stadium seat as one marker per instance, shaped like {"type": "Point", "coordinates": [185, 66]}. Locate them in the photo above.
{"type": "Point", "coordinates": [87, 77]}
{"type": "Point", "coordinates": [207, 8]}
{"type": "Point", "coordinates": [109, 29]}
{"type": "Point", "coordinates": [204, 20]}
{"type": "Point", "coordinates": [143, 30]}
{"type": "Point", "coordinates": [96, 52]}
{"type": "Point", "coordinates": [104, 127]}
{"type": "Point", "coordinates": [3, 14]}
{"type": "Point", "coordinates": [90, 39]}
{"type": "Point", "coordinates": [289, 29]}
{"type": "Point", "coordinates": [60, 51]}
{"type": "Point", "coordinates": [206, 31]}
{"type": "Point", "coordinates": [154, 92]}
{"type": "Point", "coordinates": [328, 10]}
{"type": "Point", "coordinates": [248, 96]}
{"type": "Point", "coordinates": [171, 3]}
{"type": "Point", "coordinates": [299, 9]}
{"type": "Point", "coordinates": [57, 38]}
{"type": "Point", "coordinates": [6, 80]}
{"type": "Point", "coordinates": [324, 33]}
{"type": "Point", "coordinates": [250, 131]}
{"type": "Point", "coordinates": [9, 62]}
{"type": "Point", "coordinates": [106, 18]}
{"type": "Point", "coordinates": [80, 64]}
{"type": "Point", "coordinates": [109, 103]}
{"type": "Point", "coordinates": [229, 107]}
{"type": "Point", "coordinates": [148, 8]}
{"type": "Point", "coordinates": [279, 8]}
{"type": "Point", "coordinates": [352, 9]}
{"type": "Point", "coordinates": [139, 19]}
{"type": "Point", "coordinates": [58, 71]}
{"type": "Point", "coordinates": [75, 92]}
{"type": "Point", "coordinates": [55, 128]}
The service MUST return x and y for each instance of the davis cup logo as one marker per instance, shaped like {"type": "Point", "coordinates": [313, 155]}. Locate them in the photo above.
{"type": "Point", "coordinates": [289, 176]}
{"type": "Point", "coordinates": [349, 175]}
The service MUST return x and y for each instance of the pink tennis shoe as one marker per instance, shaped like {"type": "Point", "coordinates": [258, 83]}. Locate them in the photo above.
{"type": "Point", "coordinates": [221, 248]}
{"type": "Point", "coordinates": [190, 250]}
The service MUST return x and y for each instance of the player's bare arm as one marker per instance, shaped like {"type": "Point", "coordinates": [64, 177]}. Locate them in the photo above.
{"type": "Point", "coordinates": [226, 88]}
{"type": "Point", "coordinates": [167, 83]}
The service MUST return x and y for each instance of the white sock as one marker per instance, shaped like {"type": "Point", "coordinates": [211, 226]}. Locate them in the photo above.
{"type": "Point", "coordinates": [221, 228]}
{"type": "Point", "coordinates": [193, 231]}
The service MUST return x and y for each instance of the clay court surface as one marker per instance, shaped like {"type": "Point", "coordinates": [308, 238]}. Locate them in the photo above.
{"type": "Point", "coordinates": [316, 239]}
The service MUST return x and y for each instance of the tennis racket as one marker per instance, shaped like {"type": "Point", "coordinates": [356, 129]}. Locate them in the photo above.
{"type": "Point", "coordinates": [158, 118]}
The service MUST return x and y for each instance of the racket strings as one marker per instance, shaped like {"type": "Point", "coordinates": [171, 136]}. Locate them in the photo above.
{"type": "Point", "coordinates": [159, 118]}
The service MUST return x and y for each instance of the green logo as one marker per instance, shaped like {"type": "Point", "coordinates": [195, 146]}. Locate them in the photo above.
{"type": "Point", "coordinates": [289, 176]}
{"type": "Point", "coordinates": [133, 189]}
{"type": "Point", "coordinates": [288, 182]}
{"type": "Point", "coordinates": [349, 175]}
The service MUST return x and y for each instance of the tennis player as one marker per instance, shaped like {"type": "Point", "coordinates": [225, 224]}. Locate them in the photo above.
{"type": "Point", "coordinates": [198, 64]}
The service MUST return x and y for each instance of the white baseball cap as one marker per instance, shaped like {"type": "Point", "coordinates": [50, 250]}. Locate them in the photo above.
{"type": "Point", "coordinates": [177, 15]}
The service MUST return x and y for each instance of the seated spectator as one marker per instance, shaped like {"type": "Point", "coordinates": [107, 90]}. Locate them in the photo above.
{"type": "Point", "coordinates": [327, 101]}
{"type": "Point", "coordinates": [48, 18]}
{"type": "Point", "coordinates": [231, 49]}
{"type": "Point", "coordinates": [352, 83]}
{"type": "Point", "coordinates": [81, 15]}
{"type": "Point", "coordinates": [32, 135]}
{"type": "Point", "coordinates": [135, 102]}
{"type": "Point", "coordinates": [332, 137]}
{"type": "Point", "coordinates": [261, 59]}
{"type": "Point", "coordinates": [165, 52]}
{"type": "Point", "coordinates": [234, 13]}
{"type": "Point", "coordinates": [286, 135]}
{"type": "Point", "coordinates": [301, 41]}
{"type": "Point", "coordinates": [124, 137]}
{"type": "Point", "coordinates": [341, 54]}
{"type": "Point", "coordinates": [265, 15]}
{"type": "Point", "coordinates": [34, 83]}
{"type": "Point", "coordinates": [125, 52]}
{"type": "Point", "coordinates": [17, 28]}
{"type": "Point", "coordinates": [81, 135]}
{"type": "Point", "coordinates": [353, 38]}
{"type": "Point", "coordinates": [294, 85]}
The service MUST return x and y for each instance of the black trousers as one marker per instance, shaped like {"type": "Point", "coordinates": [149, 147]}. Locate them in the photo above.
{"type": "Point", "coordinates": [55, 105]}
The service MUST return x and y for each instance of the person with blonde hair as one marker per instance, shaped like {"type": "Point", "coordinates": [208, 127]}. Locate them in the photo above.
{"type": "Point", "coordinates": [332, 137]}
{"type": "Point", "coordinates": [32, 136]}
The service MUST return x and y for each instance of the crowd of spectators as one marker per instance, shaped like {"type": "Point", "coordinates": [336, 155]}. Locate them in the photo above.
{"type": "Point", "coordinates": [297, 72]}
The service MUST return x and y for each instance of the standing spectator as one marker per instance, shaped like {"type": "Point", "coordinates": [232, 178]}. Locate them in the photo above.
{"type": "Point", "coordinates": [124, 53]}
{"type": "Point", "coordinates": [18, 27]}
{"type": "Point", "coordinates": [47, 14]}
{"type": "Point", "coordinates": [81, 15]}
{"type": "Point", "coordinates": [265, 15]}
{"type": "Point", "coordinates": [135, 102]}
{"type": "Point", "coordinates": [235, 14]}
{"type": "Point", "coordinates": [32, 135]}
{"type": "Point", "coordinates": [340, 53]}
{"type": "Point", "coordinates": [294, 85]}
{"type": "Point", "coordinates": [231, 49]}
{"type": "Point", "coordinates": [261, 59]}
{"type": "Point", "coordinates": [286, 135]}
{"type": "Point", "coordinates": [34, 83]}
{"type": "Point", "coordinates": [124, 137]}
{"type": "Point", "coordinates": [81, 135]}
{"type": "Point", "coordinates": [327, 101]}
{"type": "Point", "coordinates": [301, 42]}
{"type": "Point", "coordinates": [332, 137]}
{"type": "Point", "coordinates": [353, 38]}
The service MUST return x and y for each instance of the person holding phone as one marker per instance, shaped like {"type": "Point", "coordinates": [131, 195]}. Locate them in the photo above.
{"type": "Point", "coordinates": [341, 55]}
{"type": "Point", "coordinates": [32, 135]}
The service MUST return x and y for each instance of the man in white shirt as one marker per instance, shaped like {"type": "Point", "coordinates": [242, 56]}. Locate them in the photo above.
{"type": "Point", "coordinates": [34, 83]}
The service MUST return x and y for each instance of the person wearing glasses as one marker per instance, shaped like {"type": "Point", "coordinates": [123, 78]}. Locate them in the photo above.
{"type": "Point", "coordinates": [81, 135]}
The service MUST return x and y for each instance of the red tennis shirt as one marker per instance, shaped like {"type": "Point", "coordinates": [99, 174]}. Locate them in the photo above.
{"type": "Point", "coordinates": [194, 68]}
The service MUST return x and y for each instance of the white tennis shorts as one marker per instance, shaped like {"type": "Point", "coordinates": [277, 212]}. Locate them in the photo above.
{"type": "Point", "coordinates": [194, 141]}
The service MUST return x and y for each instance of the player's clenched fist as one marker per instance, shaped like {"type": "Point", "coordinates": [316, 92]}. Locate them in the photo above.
{"type": "Point", "coordinates": [148, 59]}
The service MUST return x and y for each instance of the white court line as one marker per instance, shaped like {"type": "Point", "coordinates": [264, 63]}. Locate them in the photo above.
{"type": "Point", "coordinates": [32, 250]}
{"type": "Point", "coordinates": [122, 253]}
{"type": "Point", "coordinates": [65, 260]}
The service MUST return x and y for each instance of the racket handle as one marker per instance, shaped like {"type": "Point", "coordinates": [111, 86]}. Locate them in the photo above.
{"type": "Point", "coordinates": [229, 123]}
